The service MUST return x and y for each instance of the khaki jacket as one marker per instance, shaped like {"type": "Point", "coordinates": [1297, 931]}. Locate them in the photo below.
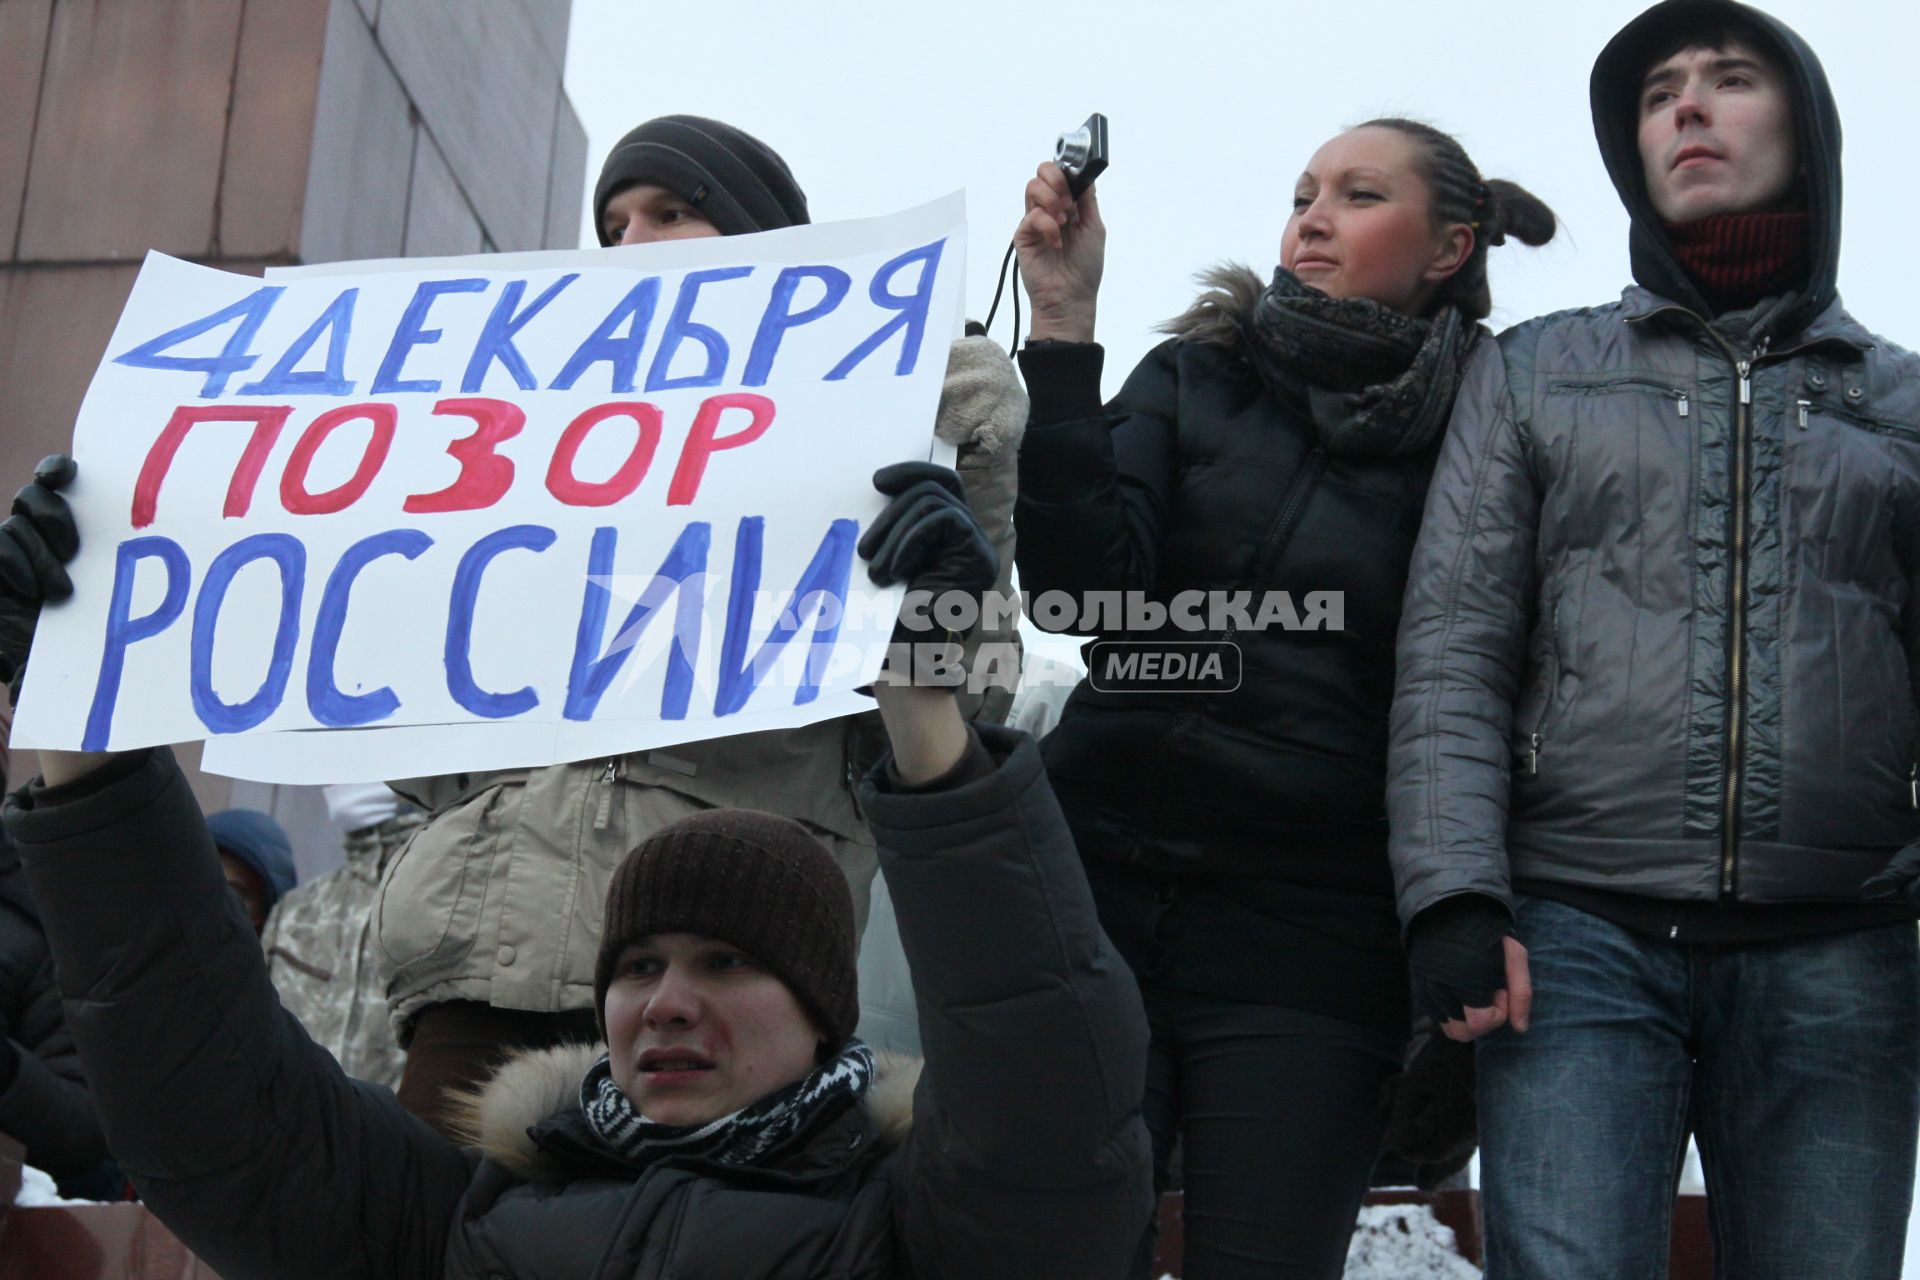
{"type": "Point", "coordinates": [499, 897]}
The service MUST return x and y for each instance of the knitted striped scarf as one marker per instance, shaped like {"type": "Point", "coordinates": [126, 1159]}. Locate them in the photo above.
{"type": "Point", "coordinates": [753, 1135]}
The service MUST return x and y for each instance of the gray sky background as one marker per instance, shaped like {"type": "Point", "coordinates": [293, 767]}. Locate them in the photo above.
{"type": "Point", "coordinates": [1215, 106]}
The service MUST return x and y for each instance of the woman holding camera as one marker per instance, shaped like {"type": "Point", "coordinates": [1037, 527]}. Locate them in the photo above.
{"type": "Point", "coordinates": [1260, 476]}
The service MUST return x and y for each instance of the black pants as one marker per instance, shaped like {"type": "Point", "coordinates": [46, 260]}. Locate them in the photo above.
{"type": "Point", "coordinates": [1278, 1112]}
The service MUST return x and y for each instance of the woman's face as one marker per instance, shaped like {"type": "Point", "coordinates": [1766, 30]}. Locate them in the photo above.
{"type": "Point", "coordinates": [1362, 224]}
{"type": "Point", "coordinates": [697, 1029]}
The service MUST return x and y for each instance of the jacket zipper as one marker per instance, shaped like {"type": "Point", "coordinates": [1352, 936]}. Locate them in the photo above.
{"type": "Point", "coordinates": [1281, 531]}
{"type": "Point", "coordinates": [1546, 703]}
{"type": "Point", "coordinates": [1737, 615]}
{"type": "Point", "coordinates": [608, 777]}
{"type": "Point", "coordinates": [1737, 590]}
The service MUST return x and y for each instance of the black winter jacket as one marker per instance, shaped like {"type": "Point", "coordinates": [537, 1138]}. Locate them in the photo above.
{"type": "Point", "coordinates": [1664, 622]}
{"type": "Point", "coordinates": [44, 1105]}
{"type": "Point", "coordinates": [1197, 477]}
{"type": "Point", "coordinates": [1027, 1156]}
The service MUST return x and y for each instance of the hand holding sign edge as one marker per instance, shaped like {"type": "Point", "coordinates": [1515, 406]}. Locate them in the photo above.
{"type": "Point", "coordinates": [36, 541]}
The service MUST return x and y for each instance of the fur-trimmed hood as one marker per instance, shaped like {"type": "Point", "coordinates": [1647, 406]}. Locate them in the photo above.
{"type": "Point", "coordinates": [1223, 310]}
{"type": "Point", "coordinates": [495, 1118]}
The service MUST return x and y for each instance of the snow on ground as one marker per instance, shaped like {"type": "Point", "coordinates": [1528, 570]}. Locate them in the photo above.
{"type": "Point", "coordinates": [1405, 1242]}
{"type": "Point", "coordinates": [37, 1190]}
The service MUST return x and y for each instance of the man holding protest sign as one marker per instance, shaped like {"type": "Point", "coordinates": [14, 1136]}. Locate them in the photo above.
{"type": "Point", "coordinates": [512, 512]}
{"type": "Point", "coordinates": [677, 177]}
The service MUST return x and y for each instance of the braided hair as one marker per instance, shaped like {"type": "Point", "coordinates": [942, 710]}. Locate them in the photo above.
{"type": "Point", "coordinates": [1494, 209]}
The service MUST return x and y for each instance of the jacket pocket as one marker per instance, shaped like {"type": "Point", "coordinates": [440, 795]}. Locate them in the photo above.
{"type": "Point", "coordinates": [1535, 712]}
{"type": "Point", "coordinates": [1857, 419]}
{"type": "Point", "coordinates": [435, 890]}
{"type": "Point", "coordinates": [1682, 399]}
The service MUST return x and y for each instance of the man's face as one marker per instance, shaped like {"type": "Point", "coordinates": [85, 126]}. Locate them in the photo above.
{"type": "Point", "coordinates": [1716, 133]}
{"type": "Point", "coordinates": [697, 1029]}
{"type": "Point", "coordinates": [643, 213]}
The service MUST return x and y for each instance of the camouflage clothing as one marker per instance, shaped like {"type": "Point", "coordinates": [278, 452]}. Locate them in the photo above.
{"type": "Point", "coordinates": [323, 955]}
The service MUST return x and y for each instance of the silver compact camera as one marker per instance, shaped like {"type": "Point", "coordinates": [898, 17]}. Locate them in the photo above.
{"type": "Point", "coordinates": [1082, 154]}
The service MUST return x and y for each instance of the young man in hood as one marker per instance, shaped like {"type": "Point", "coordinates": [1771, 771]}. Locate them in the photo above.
{"type": "Point", "coordinates": [1654, 738]}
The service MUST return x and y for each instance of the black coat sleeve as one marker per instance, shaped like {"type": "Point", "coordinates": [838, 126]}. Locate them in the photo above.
{"type": "Point", "coordinates": [242, 1135]}
{"type": "Point", "coordinates": [1027, 1155]}
{"type": "Point", "coordinates": [1095, 484]}
{"type": "Point", "coordinates": [45, 1106]}
{"type": "Point", "coordinates": [43, 1095]}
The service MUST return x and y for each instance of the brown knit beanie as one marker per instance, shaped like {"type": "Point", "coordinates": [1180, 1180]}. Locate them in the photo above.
{"type": "Point", "coordinates": [755, 880]}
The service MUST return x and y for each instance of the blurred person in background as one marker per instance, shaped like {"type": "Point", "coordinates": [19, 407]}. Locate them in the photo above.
{"type": "Point", "coordinates": [322, 944]}
{"type": "Point", "coordinates": [257, 859]}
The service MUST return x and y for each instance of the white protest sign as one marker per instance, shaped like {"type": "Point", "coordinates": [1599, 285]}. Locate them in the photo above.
{"type": "Point", "coordinates": [419, 517]}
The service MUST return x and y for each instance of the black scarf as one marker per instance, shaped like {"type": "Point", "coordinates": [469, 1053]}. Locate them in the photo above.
{"type": "Point", "coordinates": [1377, 383]}
{"type": "Point", "coordinates": [752, 1135]}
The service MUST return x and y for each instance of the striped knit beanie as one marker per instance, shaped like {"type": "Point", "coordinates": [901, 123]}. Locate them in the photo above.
{"type": "Point", "coordinates": [737, 182]}
{"type": "Point", "coordinates": [751, 879]}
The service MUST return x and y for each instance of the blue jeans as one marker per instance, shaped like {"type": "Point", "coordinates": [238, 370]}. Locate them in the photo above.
{"type": "Point", "coordinates": [1796, 1066]}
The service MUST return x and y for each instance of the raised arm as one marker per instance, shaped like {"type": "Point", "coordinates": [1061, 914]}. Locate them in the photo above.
{"type": "Point", "coordinates": [1094, 481]}
{"type": "Point", "coordinates": [1027, 1154]}
{"type": "Point", "coordinates": [213, 1097]}
{"type": "Point", "coordinates": [244, 1136]}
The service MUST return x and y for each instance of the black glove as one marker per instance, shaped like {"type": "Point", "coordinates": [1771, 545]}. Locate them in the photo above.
{"type": "Point", "coordinates": [1458, 956]}
{"type": "Point", "coordinates": [927, 537]}
{"type": "Point", "coordinates": [36, 541]}
{"type": "Point", "coordinates": [1899, 881]}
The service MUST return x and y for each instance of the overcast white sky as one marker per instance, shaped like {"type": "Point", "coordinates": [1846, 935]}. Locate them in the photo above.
{"type": "Point", "coordinates": [1215, 106]}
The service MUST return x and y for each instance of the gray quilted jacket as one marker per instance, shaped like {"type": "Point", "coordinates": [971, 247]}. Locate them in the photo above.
{"type": "Point", "coordinates": [1661, 630]}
